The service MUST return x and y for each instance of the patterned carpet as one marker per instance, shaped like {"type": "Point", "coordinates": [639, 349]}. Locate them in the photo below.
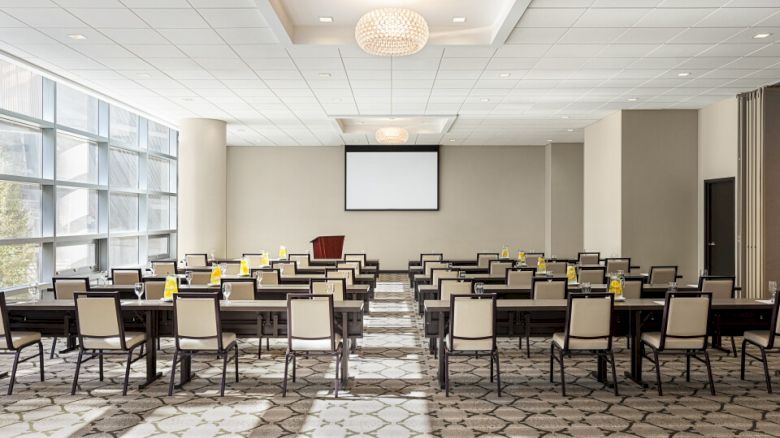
{"type": "Point", "coordinates": [392, 393]}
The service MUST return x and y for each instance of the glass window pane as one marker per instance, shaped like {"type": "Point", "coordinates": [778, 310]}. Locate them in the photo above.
{"type": "Point", "coordinates": [123, 251]}
{"type": "Point", "coordinates": [20, 210]}
{"type": "Point", "coordinates": [123, 127]}
{"type": "Point", "coordinates": [77, 159]}
{"type": "Point", "coordinates": [159, 175]}
{"type": "Point", "coordinates": [76, 109]}
{"type": "Point", "coordinates": [75, 257]}
{"type": "Point", "coordinates": [21, 90]}
{"type": "Point", "coordinates": [123, 211]}
{"type": "Point", "coordinates": [20, 149]}
{"type": "Point", "coordinates": [19, 264]}
{"type": "Point", "coordinates": [159, 212]}
{"type": "Point", "coordinates": [158, 246]}
{"type": "Point", "coordinates": [158, 139]}
{"type": "Point", "coordinates": [174, 200]}
{"type": "Point", "coordinates": [123, 172]}
{"type": "Point", "coordinates": [77, 211]}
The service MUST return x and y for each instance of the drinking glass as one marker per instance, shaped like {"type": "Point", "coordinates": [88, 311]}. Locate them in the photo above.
{"type": "Point", "coordinates": [223, 269]}
{"type": "Point", "coordinates": [585, 287]}
{"type": "Point", "coordinates": [139, 290]}
{"type": "Point", "coordinates": [479, 288]}
{"type": "Point", "coordinates": [462, 275]}
{"type": "Point", "coordinates": [227, 288]}
{"type": "Point", "coordinates": [35, 293]}
{"type": "Point", "coordinates": [772, 289]}
{"type": "Point", "coordinates": [188, 277]}
{"type": "Point", "coordinates": [673, 286]}
{"type": "Point", "coordinates": [331, 288]}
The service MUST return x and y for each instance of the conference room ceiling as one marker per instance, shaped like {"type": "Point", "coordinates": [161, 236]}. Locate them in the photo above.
{"type": "Point", "coordinates": [564, 64]}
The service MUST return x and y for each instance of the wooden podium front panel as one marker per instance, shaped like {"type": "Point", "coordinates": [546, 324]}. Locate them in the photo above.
{"type": "Point", "coordinates": [328, 247]}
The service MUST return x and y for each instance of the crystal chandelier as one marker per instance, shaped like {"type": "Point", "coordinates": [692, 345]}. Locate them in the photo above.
{"type": "Point", "coordinates": [391, 32]}
{"type": "Point", "coordinates": [392, 135]}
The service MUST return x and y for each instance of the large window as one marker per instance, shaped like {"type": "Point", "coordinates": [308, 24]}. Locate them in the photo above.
{"type": "Point", "coordinates": [84, 185]}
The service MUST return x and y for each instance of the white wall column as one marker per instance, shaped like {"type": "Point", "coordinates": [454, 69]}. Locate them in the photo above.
{"type": "Point", "coordinates": [202, 187]}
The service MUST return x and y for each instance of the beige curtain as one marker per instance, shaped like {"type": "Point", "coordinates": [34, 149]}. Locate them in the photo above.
{"type": "Point", "coordinates": [751, 251]}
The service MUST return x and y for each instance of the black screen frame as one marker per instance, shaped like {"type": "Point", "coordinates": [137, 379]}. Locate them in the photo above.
{"type": "Point", "coordinates": [369, 149]}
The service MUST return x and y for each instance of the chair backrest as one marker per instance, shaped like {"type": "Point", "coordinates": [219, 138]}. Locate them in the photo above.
{"type": "Point", "coordinates": [255, 260]}
{"type": "Point", "coordinates": [498, 268]}
{"type": "Point", "coordinates": [301, 260]}
{"type": "Point", "coordinates": [154, 288]}
{"type": "Point", "coordinates": [718, 286]}
{"type": "Point", "coordinates": [64, 288]}
{"type": "Point", "coordinates": [431, 257]}
{"type": "Point", "coordinates": [98, 316]}
{"type": "Point", "coordinates": [774, 325]}
{"type": "Point", "coordinates": [310, 317]}
{"type": "Point", "coordinates": [549, 288]}
{"type": "Point", "coordinates": [196, 260]}
{"type": "Point", "coordinates": [592, 274]}
{"type": "Point", "coordinates": [196, 316]}
{"type": "Point", "coordinates": [347, 274]}
{"type": "Point", "coordinates": [6, 341]}
{"type": "Point", "coordinates": [449, 287]}
{"type": "Point", "coordinates": [437, 274]}
{"type": "Point", "coordinates": [589, 258]}
{"type": "Point", "coordinates": [320, 286]}
{"type": "Point", "coordinates": [472, 319]}
{"type": "Point", "coordinates": [125, 276]}
{"type": "Point", "coordinates": [632, 287]}
{"type": "Point", "coordinates": [232, 267]}
{"type": "Point", "coordinates": [484, 258]}
{"type": "Point", "coordinates": [557, 268]}
{"type": "Point", "coordinates": [200, 277]}
{"type": "Point", "coordinates": [355, 266]}
{"type": "Point", "coordinates": [428, 266]}
{"type": "Point", "coordinates": [163, 268]}
{"type": "Point", "coordinates": [265, 276]}
{"type": "Point", "coordinates": [686, 316]}
{"type": "Point", "coordinates": [663, 274]}
{"type": "Point", "coordinates": [614, 265]}
{"type": "Point", "coordinates": [589, 317]}
{"type": "Point", "coordinates": [532, 258]}
{"type": "Point", "coordinates": [356, 258]}
{"type": "Point", "coordinates": [521, 278]}
{"type": "Point", "coordinates": [286, 268]}
{"type": "Point", "coordinates": [240, 288]}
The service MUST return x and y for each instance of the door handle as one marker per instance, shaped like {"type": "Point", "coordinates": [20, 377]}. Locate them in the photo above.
{"type": "Point", "coordinates": [711, 244]}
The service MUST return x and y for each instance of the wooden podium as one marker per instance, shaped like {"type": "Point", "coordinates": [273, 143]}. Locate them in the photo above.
{"type": "Point", "coordinates": [328, 247]}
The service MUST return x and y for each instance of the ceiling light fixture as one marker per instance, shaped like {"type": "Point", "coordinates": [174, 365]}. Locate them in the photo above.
{"type": "Point", "coordinates": [77, 36]}
{"type": "Point", "coordinates": [458, 19]}
{"type": "Point", "coordinates": [684, 74]}
{"type": "Point", "coordinates": [392, 135]}
{"type": "Point", "coordinates": [761, 36]}
{"type": "Point", "coordinates": [325, 75]}
{"type": "Point", "coordinates": [504, 75]}
{"type": "Point", "coordinates": [391, 32]}
{"type": "Point", "coordinates": [564, 117]}
{"type": "Point", "coordinates": [570, 130]}
{"type": "Point", "coordinates": [632, 99]}
{"type": "Point", "coordinates": [326, 19]}
{"type": "Point", "coordinates": [452, 140]}
{"type": "Point", "coordinates": [484, 99]}
{"type": "Point", "coordinates": [144, 75]}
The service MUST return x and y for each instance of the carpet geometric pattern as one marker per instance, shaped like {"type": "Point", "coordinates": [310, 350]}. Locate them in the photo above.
{"type": "Point", "coordinates": [392, 393]}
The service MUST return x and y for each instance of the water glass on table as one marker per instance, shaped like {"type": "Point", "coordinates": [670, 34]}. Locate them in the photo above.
{"type": "Point", "coordinates": [227, 288]}
{"type": "Point", "coordinates": [479, 288]}
{"type": "Point", "coordinates": [188, 277]}
{"type": "Point", "coordinates": [34, 293]}
{"type": "Point", "coordinates": [138, 288]}
{"type": "Point", "coordinates": [772, 290]}
{"type": "Point", "coordinates": [585, 287]}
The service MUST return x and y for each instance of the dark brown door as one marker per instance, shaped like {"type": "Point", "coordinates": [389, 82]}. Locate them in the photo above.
{"type": "Point", "coordinates": [719, 226]}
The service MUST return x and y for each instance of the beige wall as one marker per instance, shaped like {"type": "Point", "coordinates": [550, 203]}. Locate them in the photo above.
{"type": "Point", "coordinates": [564, 198]}
{"type": "Point", "coordinates": [602, 186]}
{"type": "Point", "coordinates": [202, 187]}
{"type": "Point", "coordinates": [659, 208]}
{"type": "Point", "coordinates": [489, 196]}
{"type": "Point", "coordinates": [718, 154]}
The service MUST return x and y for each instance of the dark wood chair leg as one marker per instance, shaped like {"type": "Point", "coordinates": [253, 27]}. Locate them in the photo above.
{"type": "Point", "coordinates": [498, 374]}
{"type": "Point", "coordinates": [293, 368]}
{"type": "Point", "coordinates": [286, 368]}
{"type": "Point", "coordinates": [446, 372]}
{"type": "Point", "coordinates": [563, 377]}
{"type": "Point", "coordinates": [224, 374]}
{"type": "Point", "coordinates": [100, 362]}
{"type": "Point", "coordinates": [687, 366]}
{"type": "Point", "coordinates": [173, 371]}
{"type": "Point", "coordinates": [127, 371]}
{"type": "Point", "coordinates": [235, 358]}
{"type": "Point", "coordinates": [709, 372]}
{"type": "Point", "coordinates": [742, 362]}
{"type": "Point", "coordinates": [53, 347]}
{"type": "Point", "coordinates": [76, 376]}
{"type": "Point", "coordinates": [733, 346]}
{"type": "Point", "coordinates": [614, 373]}
{"type": "Point", "coordinates": [40, 356]}
{"type": "Point", "coordinates": [766, 370]}
{"type": "Point", "coordinates": [528, 336]}
{"type": "Point", "coordinates": [338, 376]}
{"type": "Point", "coordinates": [13, 372]}
{"type": "Point", "coordinates": [491, 368]}
{"type": "Point", "coordinates": [552, 359]}
{"type": "Point", "coordinates": [657, 372]}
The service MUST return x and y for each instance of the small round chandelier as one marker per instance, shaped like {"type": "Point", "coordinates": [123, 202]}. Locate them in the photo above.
{"type": "Point", "coordinates": [392, 135]}
{"type": "Point", "coordinates": [391, 32]}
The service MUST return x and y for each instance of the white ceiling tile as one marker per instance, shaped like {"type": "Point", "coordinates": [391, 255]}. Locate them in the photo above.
{"type": "Point", "coordinates": [191, 36]}
{"type": "Point", "coordinates": [106, 17]}
{"type": "Point", "coordinates": [611, 17]}
{"type": "Point", "coordinates": [543, 17]}
{"type": "Point", "coordinates": [161, 18]}
{"type": "Point", "coordinates": [582, 35]}
{"type": "Point", "coordinates": [704, 35]}
{"type": "Point", "coordinates": [248, 35]}
{"type": "Point", "coordinates": [522, 51]}
{"type": "Point", "coordinates": [673, 17]}
{"type": "Point", "coordinates": [156, 51]}
{"type": "Point", "coordinates": [44, 17]}
{"type": "Point", "coordinates": [233, 18]}
{"type": "Point", "coordinates": [736, 17]}
{"type": "Point", "coordinates": [648, 35]}
{"type": "Point", "coordinates": [525, 35]}
{"type": "Point", "coordinates": [207, 51]}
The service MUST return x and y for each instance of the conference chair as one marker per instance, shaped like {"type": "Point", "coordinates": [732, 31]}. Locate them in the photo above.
{"type": "Point", "coordinates": [588, 330]}
{"type": "Point", "coordinates": [449, 287]}
{"type": "Point", "coordinates": [498, 268]}
{"type": "Point", "coordinates": [64, 289]}
{"type": "Point", "coordinates": [683, 331]}
{"type": "Point", "coordinates": [553, 288]}
{"type": "Point", "coordinates": [354, 265]}
{"type": "Point", "coordinates": [337, 287]}
{"type": "Point", "coordinates": [122, 276]}
{"type": "Point", "coordinates": [240, 288]}
{"type": "Point", "coordinates": [721, 287]}
{"type": "Point", "coordinates": [265, 276]}
{"type": "Point", "coordinates": [592, 274]}
{"type": "Point", "coordinates": [616, 265]}
{"type": "Point", "coordinates": [232, 267]}
{"type": "Point", "coordinates": [197, 329]}
{"type": "Point", "coordinates": [154, 289]}
{"type": "Point", "coordinates": [200, 277]}
{"type": "Point", "coordinates": [14, 342]}
{"type": "Point", "coordinates": [663, 274]}
{"type": "Point", "coordinates": [356, 258]}
{"type": "Point", "coordinates": [484, 258]}
{"type": "Point", "coordinates": [164, 268]}
{"type": "Point", "coordinates": [286, 268]}
{"type": "Point", "coordinates": [632, 286]}
{"type": "Point", "coordinates": [311, 333]}
{"type": "Point", "coordinates": [101, 332]}
{"type": "Point", "coordinates": [302, 261]}
{"type": "Point", "coordinates": [347, 274]}
{"type": "Point", "coordinates": [764, 340]}
{"type": "Point", "coordinates": [589, 258]}
{"type": "Point", "coordinates": [520, 278]}
{"type": "Point", "coordinates": [472, 332]}
{"type": "Point", "coordinates": [196, 260]}
{"type": "Point", "coordinates": [428, 267]}
{"type": "Point", "coordinates": [431, 257]}
{"type": "Point", "coordinates": [532, 258]}
{"type": "Point", "coordinates": [557, 268]}
{"type": "Point", "coordinates": [253, 259]}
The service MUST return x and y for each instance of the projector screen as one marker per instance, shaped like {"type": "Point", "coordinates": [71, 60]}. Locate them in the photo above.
{"type": "Point", "coordinates": [391, 178]}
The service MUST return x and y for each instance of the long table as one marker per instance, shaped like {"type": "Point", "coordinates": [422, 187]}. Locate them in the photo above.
{"type": "Point", "coordinates": [634, 308]}
{"type": "Point", "coordinates": [29, 312]}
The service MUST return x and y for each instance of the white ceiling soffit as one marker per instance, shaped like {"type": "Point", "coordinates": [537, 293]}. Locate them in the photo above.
{"type": "Point", "coordinates": [489, 22]}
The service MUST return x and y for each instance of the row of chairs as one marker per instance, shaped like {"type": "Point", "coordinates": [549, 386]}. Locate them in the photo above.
{"type": "Point", "coordinates": [303, 261]}
{"type": "Point", "coordinates": [613, 264]}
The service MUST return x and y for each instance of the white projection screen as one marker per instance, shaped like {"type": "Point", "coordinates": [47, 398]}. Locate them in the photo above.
{"type": "Point", "coordinates": [391, 178]}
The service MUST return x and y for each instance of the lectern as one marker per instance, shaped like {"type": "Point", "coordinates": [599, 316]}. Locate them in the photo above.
{"type": "Point", "coordinates": [328, 247]}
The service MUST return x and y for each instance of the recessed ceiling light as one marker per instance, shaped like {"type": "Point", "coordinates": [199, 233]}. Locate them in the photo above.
{"type": "Point", "coordinates": [683, 74]}
{"type": "Point", "coordinates": [337, 100]}
{"type": "Point", "coordinates": [325, 75]}
{"type": "Point", "coordinates": [484, 99]}
{"type": "Point", "coordinates": [458, 19]}
{"type": "Point", "coordinates": [326, 19]}
{"type": "Point", "coordinates": [144, 75]}
{"type": "Point", "coordinates": [564, 117]}
{"type": "Point", "coordinates": [570, 130]}
{"type": "Point", "coordinates": [761, 36]}
{"type": "Point", "coordinates": [504, 75]}
{"type": "Point", "coordinates": [452, 140]}
{"type": "Point", "coordinates": [187, 99]}
{"type": "Point", "coordinates": [632, 99]}
{"type": "Point", "coordinates": [77, 36]}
